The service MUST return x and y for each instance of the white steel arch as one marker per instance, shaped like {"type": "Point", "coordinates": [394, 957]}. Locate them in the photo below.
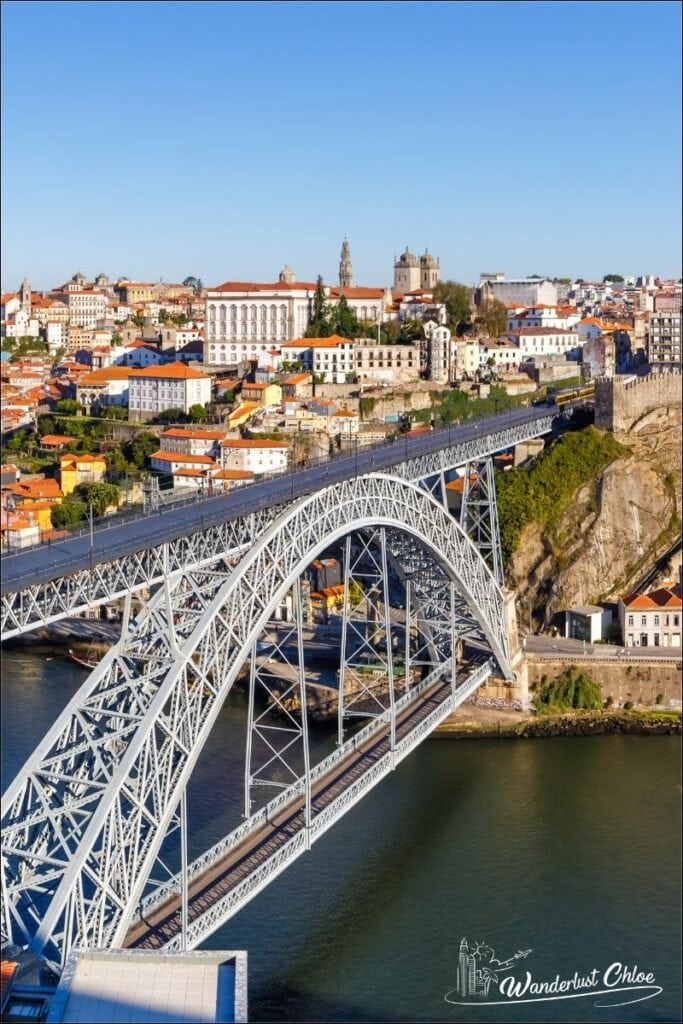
{"type": "Point", "coordinates": [84, 820]}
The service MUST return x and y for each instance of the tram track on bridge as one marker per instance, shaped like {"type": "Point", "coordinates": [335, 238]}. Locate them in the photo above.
{"type": "Point", "coordinates": [164, 924]}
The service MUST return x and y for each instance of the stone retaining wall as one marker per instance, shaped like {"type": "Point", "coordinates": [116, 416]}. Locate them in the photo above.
{"type": "Point", "coordinates": [638, 680]}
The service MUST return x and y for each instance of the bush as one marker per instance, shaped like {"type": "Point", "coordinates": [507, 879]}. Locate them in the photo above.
{"type": "Point", "coordinates": [572, 690]}
{"type": "Point", "coordinates": [628, 705]}
{"type": "Point", "coordinates": [609, 702]}
{"type": "Point", "coordinates": [659, 699]}
{"type": "Point", "coordinates": [67, 515]}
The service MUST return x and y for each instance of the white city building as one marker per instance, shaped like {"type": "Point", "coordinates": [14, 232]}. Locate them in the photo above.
{"type": "Point", "coordinates": [86, 308]}
{"type": "Point", "coordinates": [546, 341]}
{"type": "Point", "coordinates": [651, 620]}
{"type": "Point", "coordinates": [254, 456]}
{"type": "Point", "coordinates": [527, 291]}
{"type": "Point", "coordinates": [157, 388]}
{"type": "Point", "coordinates": [243, 320]}
{"type": "Point", "coordinates": [331, 359]}
{"type": "Point", "coordinates": [192, 441]}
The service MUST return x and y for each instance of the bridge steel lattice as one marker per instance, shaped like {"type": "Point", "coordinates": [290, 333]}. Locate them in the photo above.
{"type": "Point", "coordinates": [84, 821]}
{"type": "Point", "coordinates": [153, 550]}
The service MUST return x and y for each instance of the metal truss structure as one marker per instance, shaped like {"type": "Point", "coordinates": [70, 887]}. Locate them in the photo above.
{"type": "Point", "coordinates": [85, 819]}
{"type": "Point", "coordinates": [151, 561]}
{"type": "Point", "coordinates": [208, 919]}
{"type": "Point", "coordinates": [479, 513]}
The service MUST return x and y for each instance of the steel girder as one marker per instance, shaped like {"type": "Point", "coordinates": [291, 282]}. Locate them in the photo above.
{"type": "Point", "coordinates": [23, 610]}
{"type": "Point", "coordinates": [204, 924]}
{"type": "Point", "coordinates": [83, 821]}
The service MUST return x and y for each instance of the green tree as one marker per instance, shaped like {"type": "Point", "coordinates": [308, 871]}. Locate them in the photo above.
{"type": "Point", "coordinates": [411, 330]}
{"type": "Point", "coordinates": [138, 320]}
{"type": "Point", "coordinates": [46, 425]}
{"type": "Point", "coordinates": [114, 412]}
{"type": "Point", "coordinates": [319, 326]}
{"type": "Point", "coordinates": [458, 300]}
{"type": "Point", "coordinates": [171, 416]}
{"type": "Point", "coordinates": [69, 406]}
{"type": "Point", "coordinates": [67, 515]}
{"type": "Point", "coordinates": [492, 317]}
{"type": "Point", "coordinates": [100, 495]}
{"type": "Point", "coordinates": [117, 461]}
{"type": "Point", "coordinates": [343, 320]}
{"type": "Point", "coordinates": [138, 450]}
{"type": "Point", "coordinates": [614, 278]}
{"type": "Point", "coordinates": [24, 440]}
{"type": "Point", "coordinates": [197, 413]}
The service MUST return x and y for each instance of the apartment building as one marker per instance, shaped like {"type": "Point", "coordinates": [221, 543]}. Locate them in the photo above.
{"type": "Point", "coordinates": [254, 456]}
{"type": "Point", "coordinates": [389, 363]}
{"type": "Point", "coordinates": [651, 620]}
{"type": "Point", "coordinates": [664, 340]}
{"type": "Point", "coordinates": [157, 388]}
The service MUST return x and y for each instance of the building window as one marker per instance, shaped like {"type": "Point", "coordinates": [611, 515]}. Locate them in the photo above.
{"type": "Point", "coordinates": [656, 620]}
{"type": "Point", "coordinates": [643, 620]}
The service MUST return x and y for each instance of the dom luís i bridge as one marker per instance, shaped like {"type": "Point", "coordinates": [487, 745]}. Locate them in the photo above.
{"type": "Point", "coordinates": [218, 593]}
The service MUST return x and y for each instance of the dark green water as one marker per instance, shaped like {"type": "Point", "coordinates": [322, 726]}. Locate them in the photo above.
{"type": "Point", "coordinates": [567, 847]}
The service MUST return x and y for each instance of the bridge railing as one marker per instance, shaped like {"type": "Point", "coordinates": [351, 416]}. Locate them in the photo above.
{"type": "Point", "coordinates": [211, 856]}
{"type": "Point", "coordinates": [383, 456]}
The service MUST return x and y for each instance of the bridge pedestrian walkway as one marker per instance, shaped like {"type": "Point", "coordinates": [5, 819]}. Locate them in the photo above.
{"type": "Point", "coordinates": [230, 878]}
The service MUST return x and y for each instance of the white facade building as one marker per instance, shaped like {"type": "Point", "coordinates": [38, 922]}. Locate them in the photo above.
{"type": "Point", "coordinates": [244, 320]}
{"type": "Point", "coordinates": [526, 291]}
{"type": "Point", "coordinates": [331, 358]}
{"type": "Point", "coordinates": [254, 456]}
{"type": "Point", "coordinates": [546, 341]}
{"type": "Point", "coordinates": [86, 308]}
{"type": "Point", "coordinates": [157, 388]}
{"type": "Point", "coordinates": [191, 441]}
{"type": "Point", "coordinates": [651, 620]}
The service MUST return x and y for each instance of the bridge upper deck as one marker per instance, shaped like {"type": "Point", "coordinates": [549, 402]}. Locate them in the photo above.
{"type": "Point", "coordinates": [410, 457]}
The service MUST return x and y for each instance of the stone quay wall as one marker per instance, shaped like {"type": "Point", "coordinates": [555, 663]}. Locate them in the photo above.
{"type": "Point", "coordinates": [640, 680]}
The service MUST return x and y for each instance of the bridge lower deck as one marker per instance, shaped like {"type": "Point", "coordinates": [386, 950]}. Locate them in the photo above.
{"type": "Point", "coordinates": [163, 924]}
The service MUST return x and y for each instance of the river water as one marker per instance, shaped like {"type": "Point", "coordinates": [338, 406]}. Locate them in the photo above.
{"type": "Point", "coordinates": [568, 848]}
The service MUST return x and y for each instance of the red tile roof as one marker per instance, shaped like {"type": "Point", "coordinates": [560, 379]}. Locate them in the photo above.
{"type": "Point", "coordinates": [252, 443]}
{"type": "Point", "coordinates": [252, 286]}
{"type": "Point", "coordinates": [176, 371]}
{"type": "Point", "coordinates": [162, 456]}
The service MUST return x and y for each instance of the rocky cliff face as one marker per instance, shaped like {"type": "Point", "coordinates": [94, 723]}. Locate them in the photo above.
{"type": "Point", "coordinates": [616, 526]}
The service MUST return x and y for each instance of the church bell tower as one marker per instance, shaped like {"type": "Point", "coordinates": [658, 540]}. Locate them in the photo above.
{"type": "Point", "coordinates": [345, 269]}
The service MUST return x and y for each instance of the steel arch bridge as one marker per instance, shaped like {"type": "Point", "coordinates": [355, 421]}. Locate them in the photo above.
{"type": "Point", "coordinates": [84, 821]}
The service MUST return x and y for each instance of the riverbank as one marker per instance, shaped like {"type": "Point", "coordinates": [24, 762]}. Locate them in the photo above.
{"type": "Point", "coordinates": [471, 722]}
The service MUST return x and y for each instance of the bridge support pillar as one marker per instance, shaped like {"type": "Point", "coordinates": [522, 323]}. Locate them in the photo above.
{"type": "Point", "coordinates": [516, 654]}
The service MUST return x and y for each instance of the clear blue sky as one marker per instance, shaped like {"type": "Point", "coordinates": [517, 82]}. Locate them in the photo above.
{"type": "Point", "coordinates": [221, 140]}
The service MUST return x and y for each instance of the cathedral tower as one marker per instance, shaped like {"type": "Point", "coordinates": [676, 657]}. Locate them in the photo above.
{"type": "Point", "coordinates": [429, 271]}
{"type": "Point", "coordinates": [345, 269]}
{"type": "Point", "coordinates": [406, 272]}
{"type": "Point", "coordinates": [25, 295]}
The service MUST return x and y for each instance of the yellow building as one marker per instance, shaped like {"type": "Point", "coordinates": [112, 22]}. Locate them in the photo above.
{"type": "Point", "coordinates": [39, 511]}
{"type": "Point", "coordinates": [328, 599]}
{"type": "Point", "coordinates": [80, 469]}
{"type": "Point", "coordinates": [261, 394]}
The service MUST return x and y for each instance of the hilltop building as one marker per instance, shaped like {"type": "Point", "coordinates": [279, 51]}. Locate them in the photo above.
{"type": "Point", "coordinates": [412, 273]}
